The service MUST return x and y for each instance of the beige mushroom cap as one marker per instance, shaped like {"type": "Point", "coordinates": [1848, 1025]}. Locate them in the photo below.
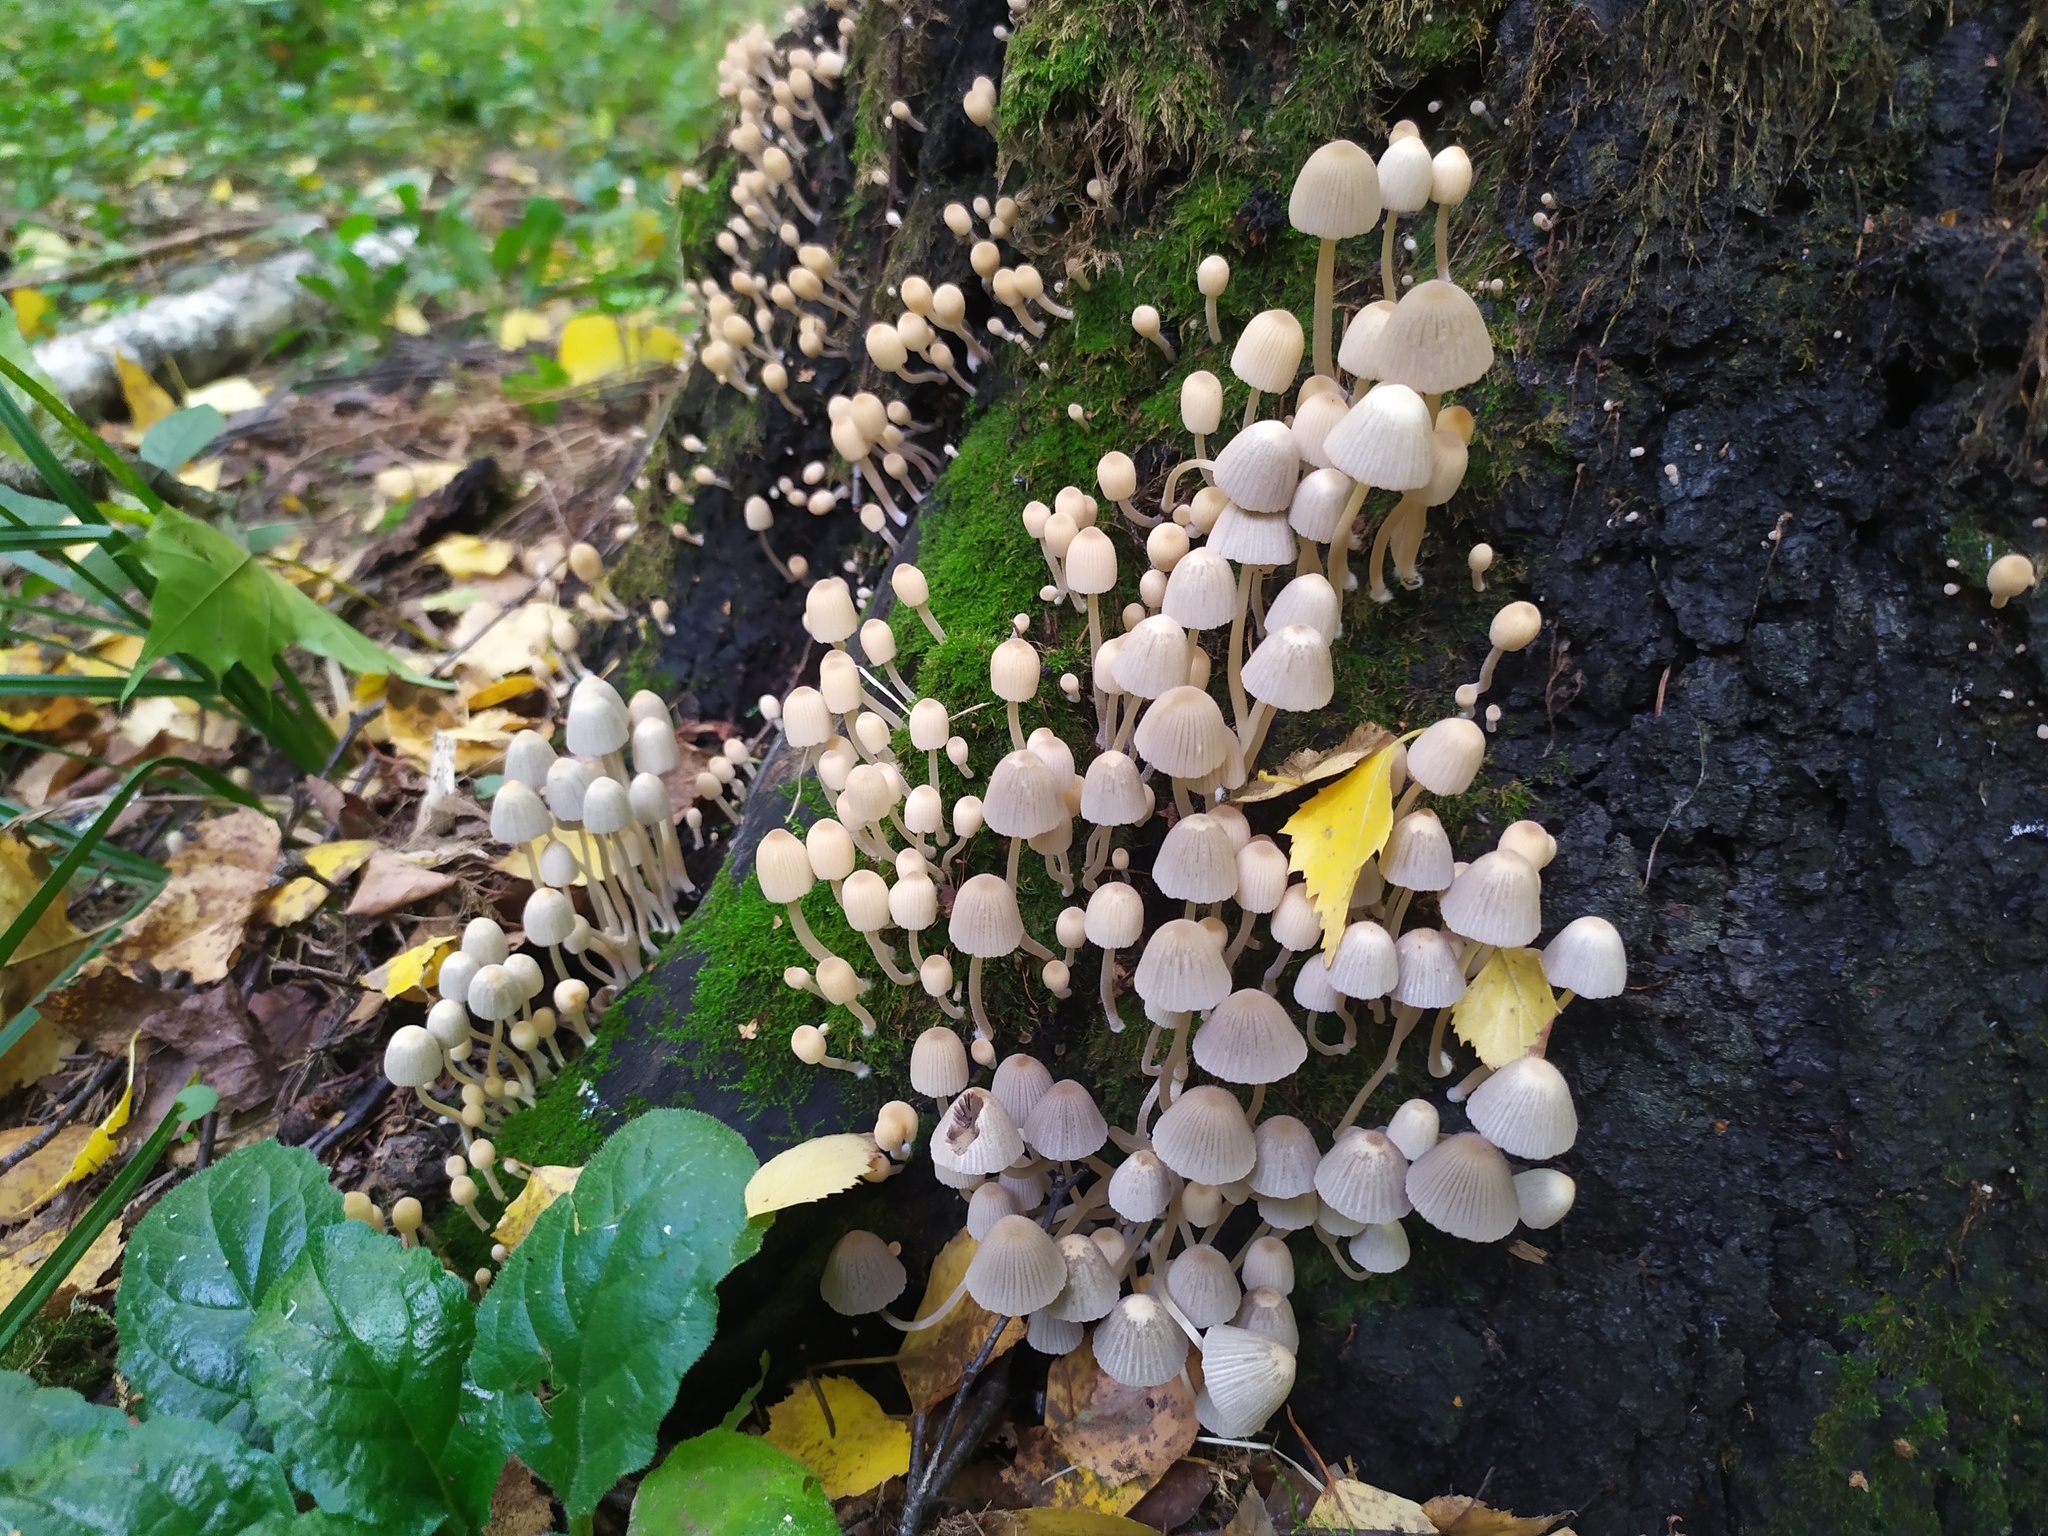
{"type": "Point", "coordinates": [861, 1275]}
{"type": "Point", "coordinates": [1462, 1186]}
{"type": "Point", "coordinates": [1204, 1136]}
{"type": "Point", "coordinates": [1248, 1038]}
{"type": "Point", "coordinates": [1336, 193]}
{"type": "Point", "coordinates": [1268, 352]}
{"type": "Point", "coordinates": [1017, 1269]}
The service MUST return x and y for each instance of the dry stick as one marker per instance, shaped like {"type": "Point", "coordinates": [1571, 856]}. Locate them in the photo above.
{"type": "Point", "coordinates": [65, 1113]}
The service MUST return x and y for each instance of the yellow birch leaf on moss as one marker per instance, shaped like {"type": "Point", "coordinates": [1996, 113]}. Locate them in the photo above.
{"type": "Point", "coordinates": [415, 969]}
{"type": "Point", "coordinates": [1505, 1007]}
{"type": "Point", "coordinates": [148, 401]}
{"type": "Point", "coordinates": [544, 1186]}
{"type": "Point", "coordinates": [1334, 835]}
{"type": "Point", "coordinates": [591, 349]}
{"type": "Point", "coordinates": [810, 1171]}
{"type": "Point", "coordinates": [1347, 1505]}
{"type": "Point", "coordinates": [862, 1447]}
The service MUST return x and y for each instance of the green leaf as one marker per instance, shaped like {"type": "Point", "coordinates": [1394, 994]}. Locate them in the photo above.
{"type": "Point", "coordinates": [734, 1484]}
{"type": "Point", "coordinates": [177, 439]}
{"type": "Point", "coordinates": [32, 1417]}
{"type": "Point", "coordinates": [15, 348]}
{"type": "Point", "coordinates": [168, 1477]}
{"type": "Point", "coordinates": [216, 604]}
{"type": "Point", "coordinates": [93, 576]}
{"type": "Point", "coordinates": [356, 1359]}
{"type": "Point", "coordinates": [196, 1268]}
{"type": "Point", "coordinates": [612, 1297]}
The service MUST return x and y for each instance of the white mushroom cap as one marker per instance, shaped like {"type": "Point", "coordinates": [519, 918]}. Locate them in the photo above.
{"type": "Point", "coordinates": [1203, 1285]}
{"type": "Point", "coordinates": [1387, 439]}
{"type": "Point", "coordinates": [1258, 468]}
{"type": "Point", "coordinates": [1406, 174]}
{"type": "Point", "coordinates": [548, 916]}
{"type": "Point", "coordinates": [412, 1057]}
{"type": "Point", "coordinates": [1248, 1038]}
{"type": "Point", "coordinates": [528, 758]}
{"type": "Point", "coordinates": [1020, 1081]}
{"type": "Point", "coordinates": [806, 722]}
{"type": "Point", "coordinates": [989, 1204]}
{"type": "Point", "coordinates": [1065, 1125]}
{"type": "Point", "coordinates": [1261, 875]}
{"type": "Point", "coordinates": [1182, 970]}
{"type": "Point", "coordinates": [1116, 916]}
{"type": "Point", "coordinates": [929, 725]}
{"type": "Point", "coordinates": [1361, 336]}
{"type": "Point", "coordinates": [1418, 853]}
{"type": "Point", "coordinates": [1201, 402]}
{"type": "Point", "coordinates": [518, 815]}
{"type": "Point", "coordinates": [1113, 794]}
{"type": "Point", "coordinates": [1366, 963]}
{"type": "Point", "coordinates": [1290, 669]}
{"type": "Point", "coordinates": [977, 1135]}
{"type": "Point", "coordinates": [1023, 798]}
{"type": "Point", "coordinates": [1152, 657]}
{"type": "Point", "coordinates": [1431, 976]}
{"type": "Point", "coordinates": [1314, 419]}
{"type": "Point", "coordinates": [1245, 1378]}
{"type": "Point", "coordinates": [1268, 352]}
{"type": "Point", "coordinates": [1445, 758]}
{"type": "Point", "coordinates": [864, 898]}
{"type": "Point", "coordinates": [1414, 1128]}
{"type": "Point", "coordinates": [648, 796]}
{"type": "Point", "coordinates": [457, 971]}
{"type": "Point", "coordinates": [1252, 538]}
{"type": "Point", "coordinates": [861, 1275]}
{"type": "Point", "coordinates": [1286, 1160]}
{"type": "Point", "coordinates": [1296, 924]}
{"type": "Point", "coordinates": [1336, 193]}
{"type": "Point", "coordinates": [938, 1063]}
{"type": "Point", "coordinates": [1530, 840]}
{"type": "Point", "coordinates": [1462, 1186]}
{"type": "Point", "coordinates": [1526, 1110]}
{"type": "Point", "coordinates": [1269, 1265]}
{"type": "Point", "coordinates": [1266, 1312]}
{"type": "Point", "coordinates": [1183, 733]}
{"type": "Point", "coordinates": [1013, 670]}
{"type": "Point", "coordinates": [1434, 342]}
{"type": "Point", "coordinates": [1204, 1136]}
{"type": "Point", "coordinates": [1363, 1176]}
{"type": "Point", "coordinates": [1335, 1222]}
{"type": "Point", "coordinates": [914, 903]}
{"type": "Point", "coordinates": [1450, 176]}
{"type": "Point", "coordinates": [1587, 957]}
{"type": "Point", "coordinates": [1138, 1344]}
{"type": "Point", "coordinates": [1201, 591]}
{"type": "Point", "coordinates": [654, 747]}
{"type": "Point", "coordinates": [829, 614]}
{"type": "Point", "coordinates": [1017, 1269]}
{"type": "Point", "coordinates": [1090, 562]}
{"type": "Point", "coordinates": [839, 682]}
{"type": "Point", "coordinates": [1544, 1196]}
{"type": "Point", "coordinates": [1312, 988]}
{"type": "Point", "coordinates": [783, 867]}
{"type": "Point", "coordinates": [1497, 900]}
{"type": "Point", "coordinates": [829, 847]}
{"type": "Point", "coordinates": [1317, 511]}
{"type": "Point", "coordinates": [484, 941]}
{"type": "Point", "coordinates": [448, 1023]}
{"type": "Point", "coordinates": [1141, 1188]}
{"type": "Point", "coordinates": [1050, 1335]}
{"type": "Point", "coordinates": [1091, 1288]}
{"type": "Point", "coordinates": [598, 721]}
{"type": "Point", "coordinates": [985, 918]}
{"type": "Point", "coordinates": [1381, 1249]}
{"type": "Point", "coordinates": [1196, 861]}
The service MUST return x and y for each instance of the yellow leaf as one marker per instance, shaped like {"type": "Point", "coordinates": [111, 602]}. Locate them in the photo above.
{"type": "Point", "coordinates": [406, 318]}
{"type": "Point", "coordinates": [32, 311]}
{"type": "Point", "coordinates": [221, 190]}
{"type": "Point", "coordinates": [860, 1449]}
{"type": "Point", "coordinates": [585, 849]}
{"type": "Point", "coordinates": [1459, 1515]}
{"type": "Point", "coordinates": [413, 480]}
{"type": "Point", "coordinates": [591, 349]}
{"type": "Point", "coordinates": [811, 1171]}
{"type": "Point", "coordinates": [1305, 767]}
{"type": "Point", "coordinates": [148, 401]}
{"type": "Point", "coordinates": [1336, 833]}
{"type": "Point", "coordinates": [544, 1186]}
{"type": "Point", "coordinates": [414, 970]}
{"type": "Point", "coordinates": [1116, 1432]}
{"type": "Point", "coordinates": [464, 554]}
{"type": "Point", "coordinates": [520, 327]}
{"type": "Point", "coordinates": [52, 944]}
{"type": "Point", "coordinates": [1044, 1476]}
{"type": "Point", "coordinates": [1353, 1506]}
{"type": "Point", "coordinates": [100, 1145]}
{"type": "Point", "coordinates": [654, 344]}
{"type": "Point", "coordinates": [203, 474]}
{"type": "Point", "coordinates": [513, 687]}
{"type": "Point", "coordinates": [228, 396]}
{"type": "Point", "coordinates": [1505, 1007]}
{"type": "Point", "coordinates": [932, 1359]}
{"type": "Point", "coordinates": [1061, 1522]}
{"type": "Point", "coordinates": [299, 898]}
{"type": "Point", "coordinates": [33, 1180]}
{"type": "Point", "coordinates": [339, 860]}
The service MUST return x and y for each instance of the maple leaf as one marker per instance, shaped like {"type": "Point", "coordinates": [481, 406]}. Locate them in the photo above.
{"type": "Point", "coordinates": [1335, 833]}
{"type": "Point", "coordinates": [1505, 1007]}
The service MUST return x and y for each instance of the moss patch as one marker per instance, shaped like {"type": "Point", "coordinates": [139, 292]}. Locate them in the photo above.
{"type": "Point", "coordinates": [75, 1350]}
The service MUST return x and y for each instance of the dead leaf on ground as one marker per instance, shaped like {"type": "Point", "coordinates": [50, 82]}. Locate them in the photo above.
{"type": "Point", "coordinates": [197, 921]}
{"type": "Point", "coordinates": [544, 1186]}
{"type": "Point", "coordinates": [49, 946]}
{"type": "Point", "coordinates": [1117, 1432]}
{"type": "Point", "coordinates": [390, 883]}
{"type": "Point", "coordinates": [519, 1504]}
{"type": "Point", "coordinates": [1306, 767]}
{"type": "Point", "coordinates": [1059, 1522]}
{"type": "Point", "coordinates": [1252, 1517]}
{"type": "Point", "coordinates": [932, 1359]}
{"type": "Point", "coordinates": [22, 1252]}
{"type": "Point", "coordinates": [1174, 1500]}
{"type": "Point", "coordinates": [1458, 1515]}
{"type": "Point", "coordinates": [211, 1032]}
{"type": "Point", "coordinates": [30, 1182]}
{"type": "Point", "coordinates": [1045, 1477]}
{"type": "Point", "coordinates": [1349, 1505]}
{"type": "Point", "coordinates": [857, 1450]}
{"type": "Point", "coordinates": [290, 1016]}
{"type": "Point", "coordinates": [299, 898]}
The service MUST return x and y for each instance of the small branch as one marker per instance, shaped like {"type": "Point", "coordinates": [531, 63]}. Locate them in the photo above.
{"type": "Point", "coordinates": [65, 1113]}
{"type": "Point", "coordinates": [94, 478]}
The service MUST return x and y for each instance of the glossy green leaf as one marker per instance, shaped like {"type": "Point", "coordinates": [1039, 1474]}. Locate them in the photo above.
{"type": "Point", "coordinates": [180, 436]}
{"type": "Point", "coordinates": [735, 1485]}
{"type": "Point", "coordinates": [217, 604]}
{"type": "Point", "coordinates": [196, 1268]}
{"type": "Point", "coordinates": [168, 1477]}
{"type": "Point", "coordinates": [356, 1359]}
{"type": "Point", "coordinates": [613, 1296]}
{"type": "Point", "coordinates": [32, 1417]}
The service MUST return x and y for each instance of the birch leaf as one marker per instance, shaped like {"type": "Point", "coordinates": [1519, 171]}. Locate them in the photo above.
{"type": "Point", "coordinates": [1334, 835]}
{"type": "Point", "coordinates": [1505, 1007]}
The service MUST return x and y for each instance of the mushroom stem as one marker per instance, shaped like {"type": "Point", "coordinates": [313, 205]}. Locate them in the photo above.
{"type": "Point", "coordinates": [1215, 325]}
{"type": "Point", "coordinates": [1242, 938]}
{"type": "Point", "coordinates": [1016, 731]}
{"type": "Point", "coordinates": [1181, 802]}
{"type": "Point", "coordinates": [1343, 1048]}
{"type": "Point", "coordinates": [1095, 625]}
{"type": "Point", "coordinates": [924, 612]}
{"type": "Point", "coordinates": [1270, 982]}
{"type": "Point", "coordinates": [1443, 242]}
{"type": "Point", "coordinates": [1251, 408]}
{"type": "Point", "coordinates": [1392, 294]}
{"type": "Point", "coordinates": [982, 1028]}
{"type": "Point", "coordinates": [1439, 1058]}
{"type": "Point", "coordinates": [438, 1107]}
{"type": "Point", "coordinates": [1486, 673]}
{"type": "Point", "coordinates": [1337, 1256]}
{"type": "Point", "coordinates": [1326, 287]}
{"type": "Point", "coordinates": [1378, 562]}
{"type": "Point", "coordinates": [1467, 1083]}
{"type": "Point", "coordinates": [1108, 991]}
{"type": "Point", "coordinates": [1308, 561]}
{"type": "Point", "coordinates": [804, 935]}
{"type": "Point", "coordinates": [1235, 672]}
{"type": "Point", "coordinates": [774, 559]}
{"type": "Point", "coordinates": [1405, 1020]}
{"type": "Point", "coordinates": [868, 1025]}
{"type": "Point", "coordinates": [1097, 856]}
{"type": "Point", "coordinates": [1406, 542]}
{"type": "Point", "coordinates": [1174, 1071]}
{"type": "Point", "coordinates": [1340, 547]}
{"type": "Point", "coordinates": [1138, 518]}
{"type": "Point", "coordinates": [880, 486]}
{"type": "Point", "coordinates": [1201, 461]}
{"type": "Point", "coordinates": [886, 958]}
{"type": "Point", "coordinates": [1257, 723]}
{"type": "Point", "coordinates": [922, 1323]}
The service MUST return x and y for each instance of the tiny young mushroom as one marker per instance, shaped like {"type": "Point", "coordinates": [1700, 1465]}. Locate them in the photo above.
{"type": "Point", "coordinates": [1479, 561]}
{"type": "Point", "coordinates": [1267, 356]}
{"type": "Point", "coordinates": [1405, 173]}
{"type": "Point", "coordinates": [412, 1059]}
{"type": "Point", "coordinates": [2010, 576]}
{"type": "Point", "coordinates": [1090, 569]}
{"type": "Point", "coordinates": [1145, 321]}
{"type": "Point", "coordinates": [1118, 478]}
{"type": "Point", "coordinates": [1212, 276]}
{"type": "Point", "coordinates": [1336, 196]}
{"type": "Point", "coordinates": [1201, 413]}
{"type": "Point", "coordinates": [985, 924]}
{"type": "Point", "coordinates": [1514, 628]}
{"type": "Point", "coordinates": [807, 1043]}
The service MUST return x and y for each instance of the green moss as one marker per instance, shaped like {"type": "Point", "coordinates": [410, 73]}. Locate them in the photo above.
{"type": "Point", "coordinates": [567, 1121]}
{"type": "Point", "coordinates": [700, 215]}
{"type": "Point", "coordinates": [75, 1350]}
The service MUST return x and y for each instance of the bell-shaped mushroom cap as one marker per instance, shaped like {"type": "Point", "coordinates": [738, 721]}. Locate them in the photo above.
{"type": "Point", "coordinates": [868, 797]}
{"type": "Point", "coordinates": [607, 806]}
{"type": "Point", "coordinates": [864, 897]}
{"type": "Point", "coordinates": [861, 1275]}
{"type": "Point", "coordinates": [1431, 976]}
{"type": "Point", "coordinates": [1543, 1196]}
{"type": "Point", "coordinates": [1366, 965]}
{"type": "Point", "coordinates": [1515, 626]}
{"type": "Point", "coordinates": [1182, 970]}
{"type": "Point", "coordinates": [1434, 342]}
{"type": "Point", "coordinates": [1196, 861]}
{"type": "Point", "coordinates": [1335, 1222]}
{"type": "Point", "coordinates": [1054, 1336]}
{"type": "Point", "coordinates": [1418, 853]}
{"type": "Point", "coordinates": [1525, 1109]}
{"type": "Point", "coordinates": [1381, 1248]}
{"type": "Point", "coordinates": [1336, 193]}
{"type": "Point", "coordinates": [1312, 988]}
{"type": "Point", "coordinates": [1269, 1265]}
{"type": "Point", "coordinates": [1413, 1128]}
{"type": "Point", "coordinates": [1497, 900]}
{"type": "Point", "coordinates": [1023, 798]}
{"type": "Point", "coordinates": [1462, 1186]}
{"type": "Point", "coordinates": [1203, 1285]}
{"type": "Point", "coordinates": [1530, 840]}
{"type": "Point", "coordinates": [1386, 440]}
{"type": "Point", "coordinates": [1057, 756]}
{"type": "Point", "coordinates": [1248, 1038]}
{"type": "Point", "coordinates": [1116, 916]}
{"type": "Point", "coordinates": [989, 1204]}
{"type": "Point", "coordinates": [1091, 1288]}
{"type": "Point", "coordinates": [1091, 562]}
{"type": "Point", "coordinates": [1267, 1312]}
{"type": "Point", "coordinates": [1252, 538]}
{"type": "Point", "coordinates": [1363, 1176]}
{"type": "Point", "coordinates": [977, 1135]}
{"type": "Point", "coordinates": [598, 720]}
{"type": "Point", "coordinates": [1588, 958]}
{"type": "Point", "coordinates": [930, 725]}
{"type": "Point", "coordinates": [806, 722]}
{"type": "Point", "coordinates": [953, 1179]}
{"type": "Point", "coordinates": [1317, 511]}
{"type": "Point", "coordinates": [1258, 468]}
{"type": "Point", "coordinates": [483, 940]}
{"type": "Point", "coordinates": [1290, 669]}
{"type": "Point", "coordinates": [1245, 1378]}
{"type": "Point", "coordinates": [1452, 457]}
{"type": "Point", "coordinates": [412, 1057]}
{"type": "Point", "coordinates": [1017, 1269]}
{"type": "Point", "coordinates": [1138, 1343]}
{"type": "Point", "coordinates": [1450, 176]}
{"type": "Point", "coordinates": [457, 971]}
{"type": "Point", "coordinates": [1314, 420]}
{"type": "Point", "coordinates": [829, 614]}
{"type": "Point", "coordinates": [1361, 336]}
{"type": "Point", "coordinates": [1065, 1125]}
{"type": "Point", "coordinates": [2009, 577]}
{"type": "Point", "coordinates": [1205, 1137]}
{"type": "Point", "coordinates": [1292, 1215]}
{"type": "Point", "coordinates": [1113, 794]}
{"type": "Point", "coordinates": [1286, 1160]}
{"type": "Point", "coordinates": [1234, 822]}
{"type": "Point", "coordinates": [1445, 758]}
{"type": "Point", "coordinates": [548, 917]}
{"type": "Point", "coordinates": [985, 919]}
{"type": "Point", "coordinates": [1183, 733]}
{"type": "Point", "coordinates": [1201, 591]}
{"type": "Point", "coordinates": [914, 902]}
{"type": "Point", "coordinates": [829, 847]}
{"type": "Point", "coordinates": [1201, 402]}
{"type": "Point", "coordinates": [494, 994]}
{"type": "Point", "coordinates": [1406, 174]}
{"type": "Point", "coordinates": [839, 682]}
{"type": "Point", "coordinates": [1261, 875]}
{"type": "Point", "coordinates": [938, 1063]}
{"type": "Point", "coordinates": [1268, 352]}
{"type": "Point", "coordinates": [518, 815]}
{"type": "Point", "coordinates": [1141, 1188]}
{"type": "Point", "coordinates": [528, 758]}
{"type": "Point", "coordinates": [1020, 1081]}
{"type": "Point", "coordinates": [1153, 657]}
{"type": "Point", "coordinates": [1013, 670]}
{"type": "Point", "coordinates": [1295, 922]}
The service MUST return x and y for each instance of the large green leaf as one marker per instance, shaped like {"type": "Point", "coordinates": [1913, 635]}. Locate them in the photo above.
{"type": "Point", "coordinates": [196, 1268]}
{"type": "Point", "coordinates": [356, 1358]}
{"type": "Point", "coordinates": [168, 1477]}
{"type": "Point", "coordinates": [613, 1296]}
{"type": "Point", "coordinates": [216, 603]}
{"type": "Point", "coordinates": [180, 436]}
{"type": "Point", "coordinates": [735, 1485]}
{"type": "Point", "coordinates": [32, 1417]}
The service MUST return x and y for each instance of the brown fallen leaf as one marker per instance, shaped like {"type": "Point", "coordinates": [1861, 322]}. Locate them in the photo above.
{"type": "Point", "coordinates": [197, 921]}
{"type": "Point", "coordinates": [103, 1006]}
{"type": "Point", "coordinates": [1305, 767]}
{"type": "Point", "coordinates": [211, 1032]}
{"type": "Point", "coordinates": [1349, 1505]}
{"type": "Point", "coordinates": [1252, 1517]}
{"type": "Point", "coordinates": [932, 1359]}
{"type": "Point", "coordinates": [23, 1251]}
{"type": "Point", "coordinates": [390, 883]}
{"type": "Point", "coordinates": [299, 898]}
{"type": "Point", "coordinates": [1528, 1252]}
{"type": "Point", "coordinates": [519, 1505]}
{"type": "Point", "coordinates": [1044, 1477]}
{"type": "Point", "coordinates": [52, 944]}
{"type": "Point", "coordinates": [290, 1016]}
{"type": "Point", "coordinates": [1457, 1515]}
{"type": "Point", "coordinates": [1174, 1500]}
{"type": "Point", "coordinates": [1059, 1522]}
{"type": "Point", "coordinates": [30, 1182]}
{"type": "Point", "coordinates": [1117, 1432]}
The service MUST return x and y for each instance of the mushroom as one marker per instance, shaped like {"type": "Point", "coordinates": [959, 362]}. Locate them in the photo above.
{"type": "Point", "coordinates": [862, 1275]}
{"type": "Point", "coordinates": [1543, 1196]}
{"type": "Point", "coordinates": [1031, 288]}
{"type": "Point", "coordinates": [1090, 569]}
{"type": "Point", "coordinates": [1525, 1109]}
{"type": "Point", "coordinates": [1405, 177]}
{"type": "Point", "coordinates": [1115, 920]}
{"type": "Point", "coordinates": [1386, 440]}
{"type": "Point", "coordinates": [1066, 1126]}
{"type": "Point", "coordinates": [1586, 959]}
{"type": "Point", "coordinates": [1285, 1168]}
{"type": "Point", "coordinates": [1479, 561]}
{"type": "Point", "coordinates": [1381, 1248]}
{"type": "Point", "coordinates": [2010, 576]}
{"type": "Point", "coordinates": [1183, 735]}
{"type": "Point", "coordinates": [519, 819]}
{"type": "Point", "coordinates": [1248, 1038]}
{"type": "Point", "coordinates": [783, 868]}
{"type": "Point", "coordinates": [1336, 196]}
{"type": "Point", "coordinates": [1496, 902]}
{"type": "Point", "coordinates": [1118, 478]}
{"type": "Point", "coordinates": [1204, 1136]}
{"type": "Point", "coordinates": [1145, 321]}
{"type": "Point", "coordinates": [1203, 1285]}
{"type": "Point", "coordinates": [1201, 410]}
{"type": "Point", "coordinates": [412, 1059]}
{"type": "Point", "coordinates": [1462, 1186]}
{"type": "Point", "coordinates": [1013, 671]}
{"type": "Point", "coordinates": [1267, 1313]}
{"type": "Point", "coordinates": [1364, 1176]}
{"type": "Point", "coordinates": [807, 1043]}
{"type": "Point", "coordinates": [1246, 1376]}
{"type": "Point", "coordinates": [913, 591]}
{"type": "Point", "coordinates": [1267, 356]}
{"type": "Point", "coordinates": [985, 924]}
{"type": "Point", "coordinates": [1138, 1343]}
{"type": "Point", "coordinates": [1196, 863]}
{"type": "Point", "coordinates": [1443, 760]}
{"type": "Point", "coordinates": [1291, 671]}
{"type": "Point", "coordinates": [1296, 929]}
{"type": "Point", "coordinates": [949, 313]}
{"type": "Point", "coordinates": [1211, 278]}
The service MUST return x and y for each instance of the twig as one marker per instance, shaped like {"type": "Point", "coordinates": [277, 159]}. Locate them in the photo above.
{"type": "Point", "coordinates": [97, 482]}
{"type": "Point", "coordinates": [1650, 864]}
{"type": "Point", "coordinates": [134, 253]}
{"type": "Point", "coordinates": [65, 1112]}
{"type": "Point", "coordinates": [203, 1153]}
{"type": "Point", "coordinates": [356, 721]}
{"type": "Point", "coordinates": [328, 1137]}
